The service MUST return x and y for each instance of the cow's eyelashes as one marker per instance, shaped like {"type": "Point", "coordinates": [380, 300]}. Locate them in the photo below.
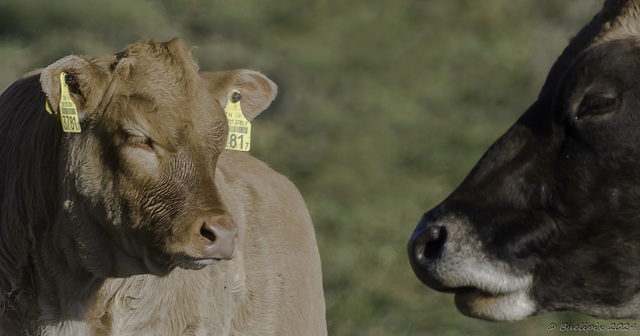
{"type": "Point", "coordinates": [140, 140]}
{"type": "Point", "coordinates": [146, 144]}
{"type": "Point", "coordinates": [596, 105]}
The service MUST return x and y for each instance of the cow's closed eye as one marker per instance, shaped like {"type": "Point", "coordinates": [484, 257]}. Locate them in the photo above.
{"type": "Point", "coordinates": [139, 140]}
{"type": "Point", "coordinates": [597, 104]}
{"type": "Point", "coordinates": [146, 144]}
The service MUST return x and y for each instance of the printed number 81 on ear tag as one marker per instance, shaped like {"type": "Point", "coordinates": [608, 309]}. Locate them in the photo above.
{"type": "Point", "coordinates": [239, 127]}
{"type": "Point", "coordinates": [68, 110]}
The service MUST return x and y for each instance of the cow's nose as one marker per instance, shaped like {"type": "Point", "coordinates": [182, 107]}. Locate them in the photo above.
{"type": "Point", "coordinates": [215, 237]}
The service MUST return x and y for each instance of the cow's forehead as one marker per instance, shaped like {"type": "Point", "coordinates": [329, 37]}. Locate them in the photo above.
{"type": "Point", "coordinates": [617, 59]}
{"type": "Point", "coordinates": [158, 90]}
{"type": "Point", "coordinates": [160, 69]}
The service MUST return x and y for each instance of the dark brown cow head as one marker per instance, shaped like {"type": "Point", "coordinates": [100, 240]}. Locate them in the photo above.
{"type": "Point", "coordinates": [142, 168]}
{"type": "Point", "coordinates": [549, 219]}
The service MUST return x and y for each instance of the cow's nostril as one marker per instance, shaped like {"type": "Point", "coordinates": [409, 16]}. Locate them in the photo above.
{"type": "Point", "coordinates": [208, 232]}
{"type": "Point", "coordinates": [436, 237]}
{"type": "Point", "coordinates": [429, 243]}
{"type": "Point", "coordinates": [426, 249]}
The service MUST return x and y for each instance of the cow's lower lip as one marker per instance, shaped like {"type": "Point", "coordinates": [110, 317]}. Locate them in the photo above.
{"type": "Point", "coordinates": [467, 295]}
{"type": "Point", "coordinates": [470, 301]}
{"type": "Point", "coordinates": [190, 263]}
{"type": "Point", "coordinates": [198, 264]}
{"type": "Point", "coordinates": [162, 264]}
{"type": "Point", "coordinates": [507, 306]}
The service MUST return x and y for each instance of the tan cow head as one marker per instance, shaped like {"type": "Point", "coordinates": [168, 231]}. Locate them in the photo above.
{"type": "Point", "coordinates": [143, 167]}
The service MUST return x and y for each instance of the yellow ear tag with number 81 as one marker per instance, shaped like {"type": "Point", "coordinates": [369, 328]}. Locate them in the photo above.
{"type": "Point", "coordinates": [239, 127]}
{"type": "Point", "coordinates": [68, 111]}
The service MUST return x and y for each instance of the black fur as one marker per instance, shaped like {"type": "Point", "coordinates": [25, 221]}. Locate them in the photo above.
{"type": "Point", "coordinates": [29, 145]}
{"type": "Point", "coordinates": [594, 168]}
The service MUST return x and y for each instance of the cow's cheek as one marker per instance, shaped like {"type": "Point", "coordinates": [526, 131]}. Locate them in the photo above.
{"type": "Point", "coordinates": [117, 186]}
{"type": "Point", "coordinates": [147, 203]}
{"type": "Point", "coordinates": [89, 181]}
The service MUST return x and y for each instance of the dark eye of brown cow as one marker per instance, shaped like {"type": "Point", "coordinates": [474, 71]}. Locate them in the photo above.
{"type": "Point", "coordinates": [597, 104]}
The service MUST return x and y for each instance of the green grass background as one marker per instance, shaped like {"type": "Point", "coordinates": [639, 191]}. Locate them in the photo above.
{"type": "Point", "coordinates": [384, 107]}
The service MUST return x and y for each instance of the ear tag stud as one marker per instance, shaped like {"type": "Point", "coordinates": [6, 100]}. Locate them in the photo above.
{"type": "Point", "coordinates": [68, 111]}
{"type": "Point", "coordinates": [49, 110]}
{"type": "Point", "coordinates": [239, 127]}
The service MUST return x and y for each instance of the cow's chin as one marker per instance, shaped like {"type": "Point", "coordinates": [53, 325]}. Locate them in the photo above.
{"type": "Point", "coordinates": [508, 306]}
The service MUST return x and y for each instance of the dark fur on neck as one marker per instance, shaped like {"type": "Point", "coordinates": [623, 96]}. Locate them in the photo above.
{"type": "Point", "coordinates": [29, 147]}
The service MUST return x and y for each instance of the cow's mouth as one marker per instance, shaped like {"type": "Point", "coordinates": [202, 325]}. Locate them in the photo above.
{"type": "Point", "coordinates": [492, 295]}
{"type": "Point", "coordinates": [161, 264]}
{"type": "Point", "coordinates": [189, 263]}
{"type": "Point", "coordinates": [506, 306]}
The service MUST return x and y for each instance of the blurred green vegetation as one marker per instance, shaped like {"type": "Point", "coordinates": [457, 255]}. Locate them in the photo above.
{"type": "Point", "coordinates": [384, 106]}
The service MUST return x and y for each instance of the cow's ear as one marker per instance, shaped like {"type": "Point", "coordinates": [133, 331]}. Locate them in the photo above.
{"type": "Point", "coordinates": [86, 82]}
{"type": "Point", "coordinates": [256, 89]}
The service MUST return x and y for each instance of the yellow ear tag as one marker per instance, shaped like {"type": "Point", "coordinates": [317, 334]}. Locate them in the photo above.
{"type": "Point", "coordinates": [239, 127]}
{"type": "Point", "coordinates": [68, 110]}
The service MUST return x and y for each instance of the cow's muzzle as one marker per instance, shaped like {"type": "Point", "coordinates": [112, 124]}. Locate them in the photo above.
{"type": "Point", "coordinates": [214, 237]}
{"type": "Point", "coordinates": [447, 256]}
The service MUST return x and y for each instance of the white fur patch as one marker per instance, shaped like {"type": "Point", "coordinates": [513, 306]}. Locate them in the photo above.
{"type": "Point", "coordinates": [67, 328]}
{"type": "Point", "coordinates": [496, 292]}
{"type": "Point", "coordinates": [67, 205]}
